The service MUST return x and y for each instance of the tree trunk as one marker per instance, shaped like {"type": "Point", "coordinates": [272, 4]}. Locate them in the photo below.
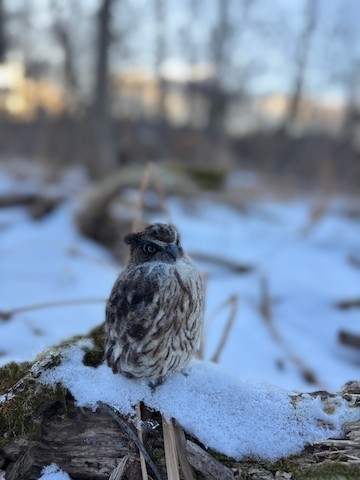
{"type": "Point", "coordinates": [3, 42]}
{"type": "Point", "coordinates": [101, 152]}
{"type": "Point", "coordinates": [301, 61]}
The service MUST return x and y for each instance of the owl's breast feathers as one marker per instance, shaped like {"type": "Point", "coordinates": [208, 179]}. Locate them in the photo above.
{"type": "Point", "coordinates": [154, 317]}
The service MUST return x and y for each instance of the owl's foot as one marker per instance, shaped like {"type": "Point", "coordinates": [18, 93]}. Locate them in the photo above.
{"type": "Point", "coordinates": [156, 383]}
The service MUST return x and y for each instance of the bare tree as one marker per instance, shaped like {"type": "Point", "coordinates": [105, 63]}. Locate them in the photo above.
{"type": "Point", "coordinates": [3, 42]}
{"type": "Point", "coordinates": [225, 36]}
{"type": "Point", "coordinates": [303, 48]}
{"type": "Point", "coordinates": [160, 55]}
{"type": "Point", "coordinates": [219, 47]}
{"type": "Point", "coordinates": [187, 33]}
{"type": "Point", "coordinates": [346, 71]}
{"type": "Point", "coordinates": [102, 152]}
{"type": "Point", "coordinates": [190, 47]}
{"type": "Point", "coordinates": [352, 107]}
{"type": "Point", "coordinates": [63, 34]}
{"type": "Point", "coordinates": [103, 42]}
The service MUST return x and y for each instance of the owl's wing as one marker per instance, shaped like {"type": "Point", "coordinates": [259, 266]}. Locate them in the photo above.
{"type": "Point", "coordinates": [135, 302]}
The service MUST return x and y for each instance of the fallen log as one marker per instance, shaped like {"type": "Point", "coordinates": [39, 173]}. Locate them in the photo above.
{"type": "Point", "coordinates": [40, 425]}
{"type": "Point", "coordinates": [38, 204]}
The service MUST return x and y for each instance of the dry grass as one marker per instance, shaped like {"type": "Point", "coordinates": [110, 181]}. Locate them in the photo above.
{"type": "Point", "coordinates": [185, 466]}
{"type": "Point", "coordinates": [319, 210]}
{"type": "Point", "coordinates": [144, 473]}
{"type": "Point", "coordinates": [266, 311]}
{"type": "Point", "coordinates": [201, 350]}
{"type": "Point", "coordinates": [171, 453]}
{"type": "Point", "coordinates": [118, 472]}
{"type": "Point", "coordinates": [144, 185]}
{"type": "Point", "coordinates": [233, 302]}
{"type": "Point", "coordinates": [8, 314]}
{"type": "Point", "coordinates": [149, 178]}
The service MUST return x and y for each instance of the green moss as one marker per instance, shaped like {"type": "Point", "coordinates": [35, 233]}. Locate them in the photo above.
{"type": "Point", "coordinates": [48, 359]}
{"type": "Point", "coordinates": [282, 465]}
{"type": "Point", "coordinates": [229, 462]}
{"type": "Point", "coordinates": [21, 414]}
{"type": "Point", "coordinates": [11, 373]}
{"type": "Point", "coordinates": [330, 409]}
{"type": "Point", "coordinates": [94, 356]}
{"type": "Point", "coordinates": [210, 179]}
{"type": "Point", "coordinates": [206, 177]}
{"type": "Point", "coordinates": [26, 398]}
{"type": "Point", "coordinates": [330, 471]}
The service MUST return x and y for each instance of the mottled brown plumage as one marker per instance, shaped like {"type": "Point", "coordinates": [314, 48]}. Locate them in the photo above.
{"type": "Point", "coordinates": [155, 311]}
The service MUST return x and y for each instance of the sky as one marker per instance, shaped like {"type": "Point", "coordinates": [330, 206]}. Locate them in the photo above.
{"type": "Point", "coordinates": [262, 53]}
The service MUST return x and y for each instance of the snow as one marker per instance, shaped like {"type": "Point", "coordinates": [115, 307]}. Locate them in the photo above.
{"type": "Point", "coordinates": [44, 263]}
{"type": "Point", "coordinates": [236, 418]}
{"type": "Point", "coordinates": [49, 261]}
{"type": "Point", "coordinates": [53, 472]}
{"type": "Point", "coordinates": [242, 406]}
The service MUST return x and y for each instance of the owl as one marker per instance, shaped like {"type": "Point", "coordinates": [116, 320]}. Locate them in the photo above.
{"type": "Point", "coordinates": [155, 311]}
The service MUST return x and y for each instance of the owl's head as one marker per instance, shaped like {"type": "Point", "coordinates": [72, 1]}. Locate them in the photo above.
{"type": "Point", "coordinates": [158, 242]}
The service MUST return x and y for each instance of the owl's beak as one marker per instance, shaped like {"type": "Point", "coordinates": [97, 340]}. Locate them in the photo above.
{"type": "Point", "coordinates": [173, 251]}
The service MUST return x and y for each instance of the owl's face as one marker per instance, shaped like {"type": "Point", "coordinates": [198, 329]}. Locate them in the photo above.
{"type": "Point", "coordinates": [156, 243]}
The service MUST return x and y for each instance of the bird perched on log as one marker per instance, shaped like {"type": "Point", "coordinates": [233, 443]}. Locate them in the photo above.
{"type": "Point", "coordinates": [155, 311]}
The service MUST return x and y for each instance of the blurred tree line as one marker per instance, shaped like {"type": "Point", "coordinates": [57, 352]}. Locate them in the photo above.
{"type": "Point", "coordinates": [184, 81]}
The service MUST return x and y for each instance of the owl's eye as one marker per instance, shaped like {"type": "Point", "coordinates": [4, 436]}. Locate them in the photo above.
{"type": "Point", "coordinates": [149, 248]}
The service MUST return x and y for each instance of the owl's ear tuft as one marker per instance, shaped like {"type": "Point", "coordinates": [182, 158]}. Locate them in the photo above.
{"type": "Point", "coordinates": [132, 239]}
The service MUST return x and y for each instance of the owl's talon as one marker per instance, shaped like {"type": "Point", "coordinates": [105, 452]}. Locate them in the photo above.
{"type": "Point", "coordinates": [153, 385]}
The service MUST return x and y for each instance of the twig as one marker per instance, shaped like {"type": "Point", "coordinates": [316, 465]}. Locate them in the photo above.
{"type": "Point", "coordinates": [222, 262]}
{"type": "Point", "coordinates": [119, 470]}
{"type": "Point", "coordinates": [181, 450]}
{"type": "Point", "coordinates": [354, 261]}
{"type": "Point", "coordinates": [348, 304]}
{"type": "Point", "coordinates": [171, 457]}
{"type": "Point", "coordinates": [142, 189]}
{"type": "Point", "coordinates": [207, 464]}
{"type": "Point", "coordinates": [233, 301]}
{"type": "Point", "coordinates": [144, 473]}
{"type": "Point", "coordinates": [349, 339]}
{"type": "Point", "coordinates": [266, 309]}
{"type": "Point", "coordinates": [7, 314]}
{"type": "Point", "coordinates": [266, 312]}
{"type": "Point", "coordinates": [162, 195]}
{"type": "Point", "coordinates": [125, 427]}
{"type": "Point", "coordinates": [201, 350]}
{"type": "Point", "coordinates": [317, 213]}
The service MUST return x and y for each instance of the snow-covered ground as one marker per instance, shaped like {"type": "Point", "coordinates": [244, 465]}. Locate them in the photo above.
{"type": "Point", "coordinates": [286, 322]}
{"type": "Point", "coordinates": [49, 261]}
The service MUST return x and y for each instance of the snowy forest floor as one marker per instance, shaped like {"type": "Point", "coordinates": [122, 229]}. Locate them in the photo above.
{"type": "Point", "coordinates": [282, 277]}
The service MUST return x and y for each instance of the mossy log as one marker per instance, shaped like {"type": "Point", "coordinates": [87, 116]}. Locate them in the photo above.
{"type": "Point", "coordinates": [40, 425]}
{"type": "Point", "coordinates": [96, 218]}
